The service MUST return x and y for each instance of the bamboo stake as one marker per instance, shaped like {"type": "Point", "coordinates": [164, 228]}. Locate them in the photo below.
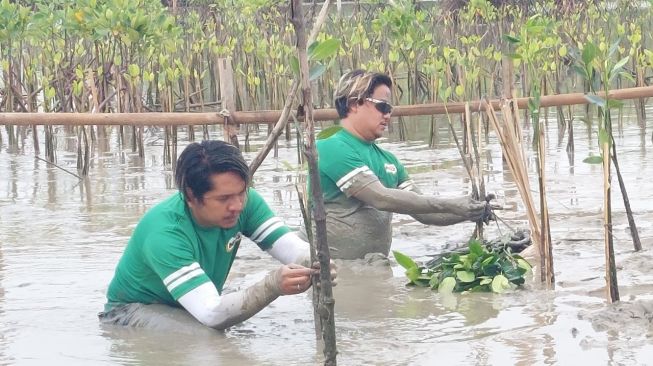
{"type": "Point", "coordinates": [326, 303]}
{"type": "Point", "coordinates": [612, 288]}
{"type": "Point", "coordinates": [273, 116]}
{"type": "Point", "coordinates": [512, 148]}
{"type": "Point", "coordinates": [546, 251]}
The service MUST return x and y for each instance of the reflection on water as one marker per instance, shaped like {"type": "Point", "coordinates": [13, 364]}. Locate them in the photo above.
{"type": "Point", "coordinates": [60, 239]}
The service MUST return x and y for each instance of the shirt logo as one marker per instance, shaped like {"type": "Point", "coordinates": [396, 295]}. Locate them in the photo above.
{"type": "Point", "coordinates": [390, 168]}
{"type": "Point", "coordinates": [233, 242]}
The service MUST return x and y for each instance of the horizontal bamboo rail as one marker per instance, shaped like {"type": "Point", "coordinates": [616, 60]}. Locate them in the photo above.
{"type": "Point", "coordinates": [271, 117]}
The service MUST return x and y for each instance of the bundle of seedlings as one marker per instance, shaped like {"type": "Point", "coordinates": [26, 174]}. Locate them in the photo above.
{"type": "Point", "coordinates": [482, 267]}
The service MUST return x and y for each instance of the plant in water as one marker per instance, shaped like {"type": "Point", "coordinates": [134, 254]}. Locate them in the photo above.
{"type": "Point", "coordinates": [597, 66]}
{"type": "Point", "coordinates": [479, 269]}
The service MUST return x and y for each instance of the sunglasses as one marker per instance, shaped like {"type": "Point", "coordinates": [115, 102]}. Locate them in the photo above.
{"type": "Point", "coordinates": [381, 105]}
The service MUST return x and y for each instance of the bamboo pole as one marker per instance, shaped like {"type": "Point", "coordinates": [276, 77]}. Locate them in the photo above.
{"type": "Point", "coordinates": [272, 116]}
{"type": "Point", "coordinates": [547, 274]}
{"type": "Point", "coordinates": [326, 303]}
{"type": "Point", "coordinates": [612, 288]}
{"type": "Point", "coordinates": [509, 134]}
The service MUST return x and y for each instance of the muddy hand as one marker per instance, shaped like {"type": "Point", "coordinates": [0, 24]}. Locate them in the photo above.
{"type": "Point", "coordinates": [473, 209]}
{"type": "Point", "coordinates": [294, 279]}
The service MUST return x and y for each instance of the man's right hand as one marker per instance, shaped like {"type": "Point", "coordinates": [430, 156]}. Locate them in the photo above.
{"type": "Point", "coordinates": [293, 279]}
{"type": "Point", "coordinates": [474, 210]}
{"type": "Point", "coordinates": [469, 208]}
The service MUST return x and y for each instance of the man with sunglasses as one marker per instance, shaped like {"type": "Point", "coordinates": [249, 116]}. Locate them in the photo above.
{"type": "Point", "coordinates": [363, 184]}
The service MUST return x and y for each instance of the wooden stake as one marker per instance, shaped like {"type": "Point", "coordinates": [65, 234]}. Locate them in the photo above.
{"type": "Point", "coordinates": [326, 304]}
{"type": "Point", "coordinates": [227, 96]}
{"type": "Point", "coordinates": [612, 288]}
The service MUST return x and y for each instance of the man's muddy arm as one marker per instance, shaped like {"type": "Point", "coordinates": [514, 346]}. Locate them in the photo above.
{"type": "Point", "coordinates": [222, 311]}
{"type": "Point", "coordinates": [438, 219]}
{"type": "Point", "coordinates": [402, 201]}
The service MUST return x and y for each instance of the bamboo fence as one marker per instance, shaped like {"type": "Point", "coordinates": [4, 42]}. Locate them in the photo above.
{"type": "Point", "coordinates": [272, 116]}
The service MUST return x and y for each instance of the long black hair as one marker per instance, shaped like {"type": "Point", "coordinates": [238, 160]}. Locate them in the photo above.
{"type": "Point", "coordinates": [199, 161]}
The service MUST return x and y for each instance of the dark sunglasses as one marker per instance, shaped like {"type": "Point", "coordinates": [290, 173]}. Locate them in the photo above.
{"type": "Point", "coordinates": [381, 105]}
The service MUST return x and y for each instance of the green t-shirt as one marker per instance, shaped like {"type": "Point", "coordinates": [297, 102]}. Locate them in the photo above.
{"type": "Point", "coordinates": [343, 156]}
{"type": "Point", "coordinates": [169, 255]}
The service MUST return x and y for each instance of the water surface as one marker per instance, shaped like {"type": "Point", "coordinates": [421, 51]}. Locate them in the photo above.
{"type": "Point", "coordinates": [60, 240]}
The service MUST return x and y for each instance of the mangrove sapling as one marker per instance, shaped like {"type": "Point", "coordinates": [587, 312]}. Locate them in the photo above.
{"type": "Point", "coordinates": [603, 73]}
{"type": "Point", "coordinates": [326, 302]}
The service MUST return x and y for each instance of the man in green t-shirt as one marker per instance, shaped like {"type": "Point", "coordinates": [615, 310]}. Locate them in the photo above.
{"type": "Point", "coordinates": [364, 184]}
{"type": "Point", "coordinates": [182, 249]}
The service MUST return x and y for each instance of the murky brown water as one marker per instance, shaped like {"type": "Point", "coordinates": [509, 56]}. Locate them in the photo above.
{"type": "Point", "coordinates": [60, 240]}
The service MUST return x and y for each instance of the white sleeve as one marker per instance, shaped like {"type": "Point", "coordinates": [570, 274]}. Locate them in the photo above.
{"type": "Point", "coordinates": [289, 248]}
{"type": "Point", "coordinates": [220, 312]}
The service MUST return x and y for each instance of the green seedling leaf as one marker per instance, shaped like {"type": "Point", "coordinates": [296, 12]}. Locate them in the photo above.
{"type": "Point", "coordinates": [500, 284]}
{"type": "Point", "coordinates": [485, 281]}
{"type": "Point", "coordinates": [316, 71]}
{"type": "Point", "coordinates": [465, 276]}
{"type": "Point", "coordinates": [404, 260]}
{"type": "Point", "coordinates": [581, 71]}
{"type": "Point", "coordinates": [413, 274]}
{"type": "Point", "coordinates": [511, 39]}
{"type": "Point", "coordinates": [492, 270]}
{"type": "Point", "coordinates": [476, 248]}
{"type": "Point", "coordinates": [324, 49]}
{"type": "Point", "coordinates": [328, 132]}
{"type": "Point", "coordinates": [618, 66]}
{"type": "Point", "coordinates": [593, 159]}
{"type": "Point", "coordinates": [522, 263]}
{"type": "Point", "coordinates": [447, 285]}
{"type": "Point", "coordinates": [589, 53]}
{"type": "Point", "coordinates": [489, 260]}
{"type": "Point", "coordinates": [311, 48]}
{"type": "Point", "coordinates": [604, 138]}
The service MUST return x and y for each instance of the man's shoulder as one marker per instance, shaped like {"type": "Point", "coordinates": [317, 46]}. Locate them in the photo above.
{"type": "Point", "coordinates": [167, 219]}
{"type": "Point", "coordinates": [334, 140]}
{"type": "Point", "coordinates": [337, 146]}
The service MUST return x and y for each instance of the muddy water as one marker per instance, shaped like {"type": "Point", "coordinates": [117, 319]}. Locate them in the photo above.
{"type": "Point", "coordinates": [60, 240]}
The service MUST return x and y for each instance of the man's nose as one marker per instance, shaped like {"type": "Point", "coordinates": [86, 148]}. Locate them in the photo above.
{"type": "Point", "coordinates": [236, 204]}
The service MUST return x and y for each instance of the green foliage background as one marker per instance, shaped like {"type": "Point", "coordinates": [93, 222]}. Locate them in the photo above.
{"type": "Point", "coordinates": [139, 56]}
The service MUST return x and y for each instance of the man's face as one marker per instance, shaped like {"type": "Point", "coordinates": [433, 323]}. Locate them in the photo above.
{"type": "Point", "coordinates": [370, 121]}
{"type": "Point", "coordinates": [223, 204]}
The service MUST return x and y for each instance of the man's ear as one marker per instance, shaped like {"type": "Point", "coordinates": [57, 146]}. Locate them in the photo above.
{"type": "Point", "coordinates": [190, 197]}
{"type": "Point", "coordinates": [354, 106]}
